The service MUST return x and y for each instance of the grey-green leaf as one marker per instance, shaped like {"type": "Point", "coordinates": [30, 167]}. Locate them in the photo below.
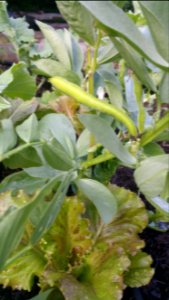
{"type": "Point", "coordinates": [17, 82]}
{"type": "Point", "coordinates": [57, 44]}
{"type": "Point", "coordinates": [117, 23]}
{"type": "Point", "coordinates": [164, 88]}
{"type": "Point", "coordinates": [8, 136]}
{"type": "Point", "coordinates": [151, 175]}
{"type": "Point", "coordinates": [79, 19]}
{"type": "Point", "coordinates": [107, 137]}
{"type": "Point", "coordinates": [28, 130]}
{"type": "Point", "coordinates": [101, 196]}
{"type": "Point", "coordinates": [157, 16]}
{"type": "Point", "coordinates": [135, 62]}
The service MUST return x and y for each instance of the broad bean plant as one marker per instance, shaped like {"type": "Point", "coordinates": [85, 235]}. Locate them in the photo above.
{"type": "Point", "coordinates": [73, 108]}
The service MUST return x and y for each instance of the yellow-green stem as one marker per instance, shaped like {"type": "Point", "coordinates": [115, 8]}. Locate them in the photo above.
{"type": "Point", "coordinates": [97, 160]}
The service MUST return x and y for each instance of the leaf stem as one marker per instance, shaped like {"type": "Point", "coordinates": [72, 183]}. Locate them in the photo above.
{"type": "Point", "coordinates": [97, 160]}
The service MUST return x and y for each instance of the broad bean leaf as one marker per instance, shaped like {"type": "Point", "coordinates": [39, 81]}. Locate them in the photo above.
{"type": "Point", "coordinates": [50, 67]}
{"type": "Point", "coordinates": [79, 19]}
{"type": "Point", "coordinates": [151, 175]}
{"type": "Point", "coordinates": [135, 62]}
{"type": "Point", "coordinates": [12, 224]}
{"type": "Point", "coordinates": [4, 104]}
{"type": "Point", "coordinates": [5, 26]}
{"type": "Point", "coordinates": [59, 127]}
{"type": "Point", "coordinates": [28, 130]}
{"type": "Point", "coordinates": [42, 172]}
{"type": "Point", "coordinates": [157, 16]}
{"type": "Point", "coordinates": [57, 43]}
{"type": "Point", "coordinates": [108, 15]}
{"type": "Point", "coordinates": [56, 156]}
{"type": "Point", "coordinates": [8, 137]}
{"type": "Point", "coordinates": [101, 197]}
{"type": "Point", "coordinates": [23, 159]}
{"type": "Point", "coordinates": [21, 181]}
{"type": "Point", "coordinates": [17, 82]}
{"type": "Point", "coordinates": [107, 137]}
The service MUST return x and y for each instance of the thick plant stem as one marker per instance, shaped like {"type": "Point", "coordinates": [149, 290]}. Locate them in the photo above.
{"type": "Point", "coordinates": [159, 127]}
{"type": "Point", "coordinates": [97, 160]}
{"type": "Point", "coordinates": [92, 62]}
{"type": "Point", "coordinates": [85, 98]}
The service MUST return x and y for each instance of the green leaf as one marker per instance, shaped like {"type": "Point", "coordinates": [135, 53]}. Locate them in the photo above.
{"type": "Point", "coordinates": [53, 210]}
{"type": "Point", "coordinates": [56, 156]}
{"type": "Point", "coordinates": [153, 149]}
{"type": "Point", "coordinates": [107, 52]}
{"type": "Point", "coordinates": [140, 272]}
{"type": "Point", "coordinates": [23, 34]}
{"type": "Point", "coordinates": [164, 88]}
{"type": "Point", "coordinates": [102, 198]}
{"type": "Point", "coordinates": [59, 127]}
{"type": "Point", "coordinates": [4, 104]}
{"type": "Point", "coordinates": [8, 138]}
{"type": "Point", "coordinates": [107, 137]}
{"type": "Point", "coordinates": [161, 205]}
{"type": "Point", "coordinates": [24, 158]}
{"type": "Point", "coordinates": [49, 67]}
{"type": "Point", "coordinates": [13, 223]}
{"type": "Point", "coordinates": [151, 175]}
{"type": "Point", "coordinates": [108, 14]}
{"type": "Point", "coordinates": [157, 16]}
{"type": "Point", "coordinates": [23, 110]}
{"type": "Point", "coordinates": [79, 19]}
{"type": "Point", "coordinates": [21, 181]}
{"type": "Point", "coordinates": [11, 230]}
{"type": "Point", "coordinates": [42, 172]}
{"type": "Point", "coordinates": [56, 42]}
{"type": "Point", "coordinates": [135, 62]}
{"type": "Point", "coordinates": [28, 130]}
{"type": "Point", "coordinates": [17, 82]}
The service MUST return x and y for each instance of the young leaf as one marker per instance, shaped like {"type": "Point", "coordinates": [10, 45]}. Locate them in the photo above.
{"type": "Point", "coordinates": [102, 198]}
{"type": "Point", "coordinates": [28, 130]}
{"type": "Point", "coordinates": [79, 19]}
{"type": "Point", "coordinates": [108, 14]}
{"type": "Point", "coordinates": [8, 138]}
{"type": "Point", "coordinates": [107, 137]}
{"type": "Point", "coordinates": [57, 43]}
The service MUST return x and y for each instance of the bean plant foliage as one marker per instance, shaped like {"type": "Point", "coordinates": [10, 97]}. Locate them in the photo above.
{"type": "Point", "coordinates": [68, 119]}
